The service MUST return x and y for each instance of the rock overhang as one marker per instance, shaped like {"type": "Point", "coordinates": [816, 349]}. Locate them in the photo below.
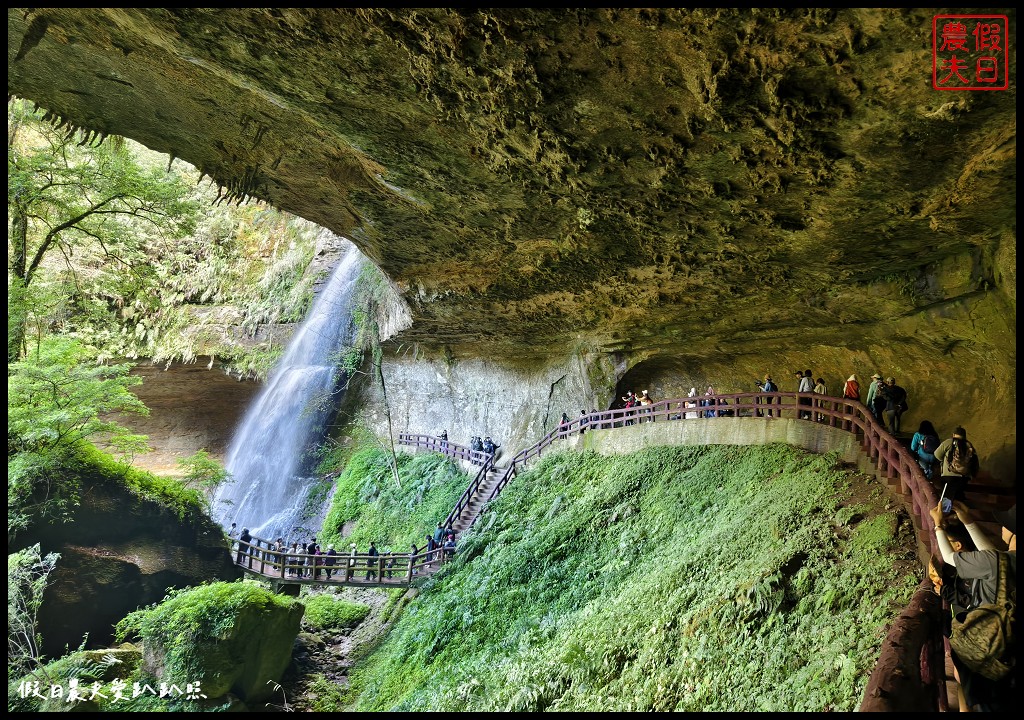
{"type": "Point", "coordinates": [638, 181]}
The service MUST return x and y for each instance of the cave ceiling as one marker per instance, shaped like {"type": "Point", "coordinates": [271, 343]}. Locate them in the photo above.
{"type": "Point", "coordinates": [627, 180]}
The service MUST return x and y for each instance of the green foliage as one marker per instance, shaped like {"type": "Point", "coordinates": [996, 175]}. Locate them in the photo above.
{"type": "Point", "coordinates": [57, 398]}
{"type": "Point", "coordinates": [392, 516]}
{"type": "Point", "coordinates": [324, 611]}
{"type": "Point", "coordinates": [203, 472]}
{"type": "Point", "coordinates": [108, 244]}
{"type": "Point", "coordinates": [28, 574]}
{"type": "Point", "coordinates": [693, 579]}
{"type": "Point", "coordinates": [67, 197]}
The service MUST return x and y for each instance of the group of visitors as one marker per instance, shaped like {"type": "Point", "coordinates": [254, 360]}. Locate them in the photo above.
{"type": "Point", "coordinates": [443, 538]}
{"type": "Point", "coordinates": [305, 559]}
{"type": "Point", "coordinates": [977, 580]}
{"type": "Point", "coordinates": [632, 400]}
{"type": "Point", "coordinates": [563, 424]}
{"type": "Point", "coordinates": [485, 446]}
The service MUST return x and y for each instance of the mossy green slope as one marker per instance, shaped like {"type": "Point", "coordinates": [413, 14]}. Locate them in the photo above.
{"type": "Point", "coordinates": [710, 578]}
{"type": "Point", "coordinates": [378, 509]}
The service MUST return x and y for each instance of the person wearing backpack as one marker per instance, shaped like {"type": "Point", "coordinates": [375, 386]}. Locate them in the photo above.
{"type": "Point", "coordinates": [895, 404]}
{"type": "Point", "coordinates": [876, 399]}
{"type": "Point", "coordinates": [924, 445]}
{"type": "Point", "coordinates": [981, 634]}
{"type": "Point", "coordinates": [959, 463]}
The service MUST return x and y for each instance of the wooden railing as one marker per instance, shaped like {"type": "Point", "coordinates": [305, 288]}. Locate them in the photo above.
{"type": "Point", "coordinates": [445, 447]}
{"type": "Point", "coordinates": [891, 457]}
{"type": "Point", "coordinates": [260, 557]}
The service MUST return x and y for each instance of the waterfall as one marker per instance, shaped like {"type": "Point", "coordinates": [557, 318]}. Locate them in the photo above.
{"type": "Point", "coordinates": [268, 453]}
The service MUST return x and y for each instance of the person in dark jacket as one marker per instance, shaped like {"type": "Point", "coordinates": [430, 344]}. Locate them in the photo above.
{"type": "Point", "coordinates": [330, 561]}
{"type": "Point", "coordinates": [371, 562]}
{"type": "Point", "coordinates": [895, 404]}
{"type": "Point", "coordinates": [244, 549]}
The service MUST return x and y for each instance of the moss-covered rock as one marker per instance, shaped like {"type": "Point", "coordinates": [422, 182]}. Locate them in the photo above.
{"type": "Point", "coordinates": [232, 637]}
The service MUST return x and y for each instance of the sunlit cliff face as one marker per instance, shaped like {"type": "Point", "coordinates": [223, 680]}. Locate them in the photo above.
{"type": "Point", "coordinates": [706, 194]}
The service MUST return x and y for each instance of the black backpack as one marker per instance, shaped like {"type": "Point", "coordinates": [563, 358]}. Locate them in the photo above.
{"type": "Point", "coordinates": [929, 444]}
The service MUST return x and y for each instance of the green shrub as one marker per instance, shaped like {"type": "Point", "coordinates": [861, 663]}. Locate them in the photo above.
{"type": "Point", "coordinates": [190, 618]}
{"type": "Point", "coordinates": [326, 612]}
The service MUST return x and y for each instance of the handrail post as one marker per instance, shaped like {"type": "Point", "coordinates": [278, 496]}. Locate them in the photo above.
{"type": "Point", "coordinates": [411, 560]}
{"type": "Point", "coordinates": [380, 570]}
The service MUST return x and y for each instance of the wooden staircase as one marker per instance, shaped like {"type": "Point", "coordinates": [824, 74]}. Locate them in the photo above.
{"type": "Point", "coordinates": [476, 505]}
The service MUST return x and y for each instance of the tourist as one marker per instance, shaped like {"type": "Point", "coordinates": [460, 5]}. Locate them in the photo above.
{"type": "Point", "coordinates": [584, 421]}
{"type": "Point", "coordinates": [310, 549]}
{"type": "Point", "coordinates": [820, 389]}
{"type": "Point", "coordinates": [330, 560]}
{"type": "Point", "coordinates": [895, 404]}
{"type": "Point", "coordinates": [244, 548]}
{"type": "Point", "coordinates": [563, 426]}
{"type": "Point", "coordinates": [449, 547]}
{"type": "Point", "coordinates": [805, 385]}
{"type": "Point", "coordinates": [851, 389]}
{"type": "Point", "coordinates": [692, 404]}
{"type": "Point", "coordinates": [959, 463]}
{"type": "Point", "coordinates": [318, 562]}
{"type": "Point", "coordinates": [768, 386]}
{"type": "Point", "coordinates": [371, 562]}
{"type": "Point", "coordinates": [630, 402]}
{"type": "Point", "coordinates": [232, 536]}
{"type": "Point", "coordinates": [292, 559]}
{"type": "Point", "coordinates": [444, 441]}
{"type": "Point", "coordinates": [876, 400]}
{"type": "Point", "coordinates": [924, 444]}
{"type": "Point", "coordinates": [646, 403]}
{"type": "Point", "coordinates": [981, 569]}
{"type": "Point", "coordinates": [709, 402]}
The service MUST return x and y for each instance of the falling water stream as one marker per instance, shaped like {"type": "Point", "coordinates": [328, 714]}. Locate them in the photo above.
{"type": "Point", "coordinates": [269, 450]}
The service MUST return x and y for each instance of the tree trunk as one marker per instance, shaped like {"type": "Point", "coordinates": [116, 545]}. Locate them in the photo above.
{"type": "Point", "coordinates": [17, 313]}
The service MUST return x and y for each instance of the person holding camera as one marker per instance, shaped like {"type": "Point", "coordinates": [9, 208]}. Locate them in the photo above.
{"type": "Point", "coordinates": [979, 573]}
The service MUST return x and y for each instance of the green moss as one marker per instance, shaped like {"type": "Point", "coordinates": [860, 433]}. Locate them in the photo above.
{"type": "Point", "coordinates": [874, 535]}
{"type": "Point", "coordinates": [327, 695]}
{"type": "Point", "coordinates": [326, 612]}
{"type": "Point", "coordinates": [185, 503]}
{"type": "Point", "coordinates": [390, 515]}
